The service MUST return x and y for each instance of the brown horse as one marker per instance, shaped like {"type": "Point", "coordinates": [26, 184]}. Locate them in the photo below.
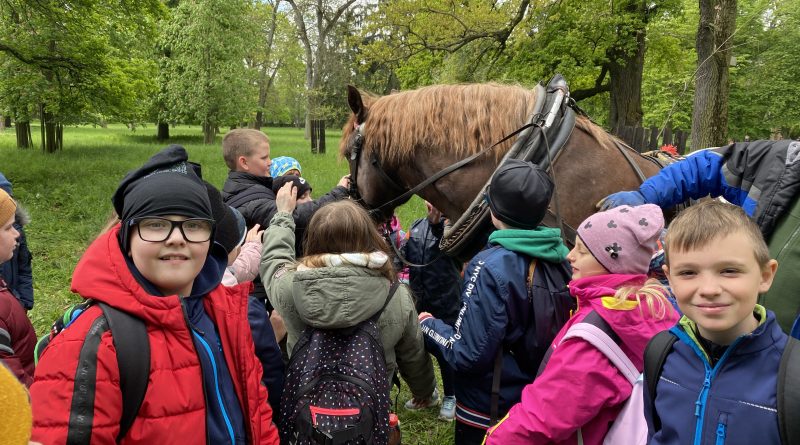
{"type": "Point", "coordinates": [411, 135]}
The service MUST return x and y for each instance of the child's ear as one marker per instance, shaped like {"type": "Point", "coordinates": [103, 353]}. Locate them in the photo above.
{"type": "Point", "coordinates": [241, 163]}
{"type": "Point", "coordinates": [665, 268]}
{"type": "Point", "coordinates": [767, 275]}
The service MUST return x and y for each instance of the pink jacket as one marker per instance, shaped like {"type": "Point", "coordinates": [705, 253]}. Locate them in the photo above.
{"type": "Point", "coordinates": [245, 267]}
{"type": "Point", "coordinates": [580, 388]}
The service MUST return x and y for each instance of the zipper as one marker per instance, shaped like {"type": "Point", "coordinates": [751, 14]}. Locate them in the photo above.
{"type": "Point", "coordinates": [192, 329]}
{"type": "Point", "coordinates": [216, 384]}
{"type": "Point", "coordinates": [722, 428]}
{"type": "Point", "coordinates": [710, 373]}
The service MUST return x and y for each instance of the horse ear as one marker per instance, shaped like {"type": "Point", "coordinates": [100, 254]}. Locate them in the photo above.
{"type": "Point", "coordinates": [356, 103]}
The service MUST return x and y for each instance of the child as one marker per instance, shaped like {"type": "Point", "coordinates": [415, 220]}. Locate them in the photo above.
{"type": "Point", "coordinates": [506, 322]}
{"type": "Point", "coordinates": [160, 265]}
{"type": "Point", "coordinates": [718, 383]}
{"type": "Point", "coordinates": [580, 392]}
{"type": "Point", "coordinates": [285, 165]}
{"type": "Point", "coordinates": [343, 280]}
{"type": "Point", "coordinates": [17, 271]}
{"type": "Point", "coordinates": [17, 337]}
{"type": "Point", "coordinates": [436, 288]}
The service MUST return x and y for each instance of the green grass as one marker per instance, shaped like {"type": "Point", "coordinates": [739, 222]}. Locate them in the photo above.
{"type": "Point", "coordinates": [68, 195]}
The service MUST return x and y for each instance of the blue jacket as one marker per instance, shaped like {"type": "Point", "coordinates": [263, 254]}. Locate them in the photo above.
{"type": "Point", "coordinates": [763, 177]}
{"type": "Point", "coordinates": [496, 313]}
{"type": "Point", "coordinates": [436, 287]}
{"type": "Point", "coordinates": [738, 403]}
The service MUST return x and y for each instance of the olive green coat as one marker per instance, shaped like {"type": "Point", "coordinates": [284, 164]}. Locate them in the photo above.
{"type": "Point", "coordinates": [341, 297]}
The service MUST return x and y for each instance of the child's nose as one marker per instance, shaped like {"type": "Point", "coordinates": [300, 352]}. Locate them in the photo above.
{"type": "Point", "coordinates": [709, 286]}
{"type": "Point", "coordinates": [175, 237]}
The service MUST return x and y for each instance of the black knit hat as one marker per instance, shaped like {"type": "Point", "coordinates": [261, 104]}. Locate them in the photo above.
{"type": "Point", "coordinates": [165, 185]}
{"type": "Point", "coordinates": [519, 193]}
{"type": "Point", "coordinates": [227, 232]}
{"type": "Point", "coordinates": [302, 185]}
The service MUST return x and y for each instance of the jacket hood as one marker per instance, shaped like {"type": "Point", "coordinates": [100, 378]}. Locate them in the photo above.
{"type": "Point", "coordinates": [597, 293]}
{"type": "Point", "coordinates": [338, 297]}
{"type": "Point", "coordinates": [105, 274]}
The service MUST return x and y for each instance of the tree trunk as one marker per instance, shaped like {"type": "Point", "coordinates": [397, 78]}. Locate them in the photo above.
{"type": "Point", "coordinates": [7, 121]}
{"type": "Point", "coordinates": [24, 138]}
{"type": "Point", "coordinates": [209, 133]}
{"type": "Point", "coordinates": [49, 132]}
{"type": "Point", "coordinates": [2, 123]}
{"type": "Point", "coordinates": [625, 69]}
{"type": "Point", "coordinates": [162, 133]}
{"type": "Point", "coordinates": [259, 120]}
{"type": "Point", "coordinates": [713, 44]}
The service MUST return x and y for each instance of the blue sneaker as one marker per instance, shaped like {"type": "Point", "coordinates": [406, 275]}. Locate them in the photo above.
{"type": "Point", "coordinates": [448, 410]}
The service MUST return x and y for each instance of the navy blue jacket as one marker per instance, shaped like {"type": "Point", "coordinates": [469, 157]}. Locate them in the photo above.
{"type": "Point", "coordinates": [437, 286]}
{"type": "Point", "coordinates": [17, 271]}
{"type": "Point", "coordinates": [732, 403]}
{"type": "Point", "coordinates": [496, 313]}
{"type": "Point", "coordinates": [268, 353]}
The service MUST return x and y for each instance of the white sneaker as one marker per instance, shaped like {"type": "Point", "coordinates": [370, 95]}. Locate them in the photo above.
{"type": "Point", "coordinates": [448, 410]}
{"type": "Point", "coordinates": [415, 404]}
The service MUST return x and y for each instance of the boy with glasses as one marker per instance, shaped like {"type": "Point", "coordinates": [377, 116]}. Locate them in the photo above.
{"type": "Point", "coordinates": [161, 265]}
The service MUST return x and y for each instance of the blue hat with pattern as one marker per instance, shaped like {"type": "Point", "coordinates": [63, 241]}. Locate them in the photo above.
{"type": "Point", "coordinates": [282, 165]}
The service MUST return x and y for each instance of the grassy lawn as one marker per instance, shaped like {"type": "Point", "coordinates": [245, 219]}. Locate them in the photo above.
{"type": "Point", "coordinates": [68, 195]}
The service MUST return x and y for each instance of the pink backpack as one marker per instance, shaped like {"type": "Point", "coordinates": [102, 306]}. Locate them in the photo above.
{"type": "Point", "coordinates": [630, 427]}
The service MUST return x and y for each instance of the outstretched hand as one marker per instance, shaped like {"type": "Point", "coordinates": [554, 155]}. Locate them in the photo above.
{"type": "Point", "coordinates": [434, 214]}
{"type": "Point", "coordinates": [254, 234]}
{"type": "Point", "coordinates": [344, 182]}
{"type": "Point", "coordinates": [286, 199]}
{"type": "Point", "coordinates": [634, 198]}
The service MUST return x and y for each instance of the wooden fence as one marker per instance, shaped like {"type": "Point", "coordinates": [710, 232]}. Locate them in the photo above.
{"type": "Point", "coordinates": [648, 139]}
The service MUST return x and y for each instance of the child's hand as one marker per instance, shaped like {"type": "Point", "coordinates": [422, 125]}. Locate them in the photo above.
{"type": "Point", "coordinates": [254, 234]}
{"type": "Point", "coordinates": [344, 182]}
{"type": "Point", "coordinates": [424, 316]}
{"type": "Point", "coordinates": [434, 215]}
{"type": "Point", "coordinates": [286, 200]}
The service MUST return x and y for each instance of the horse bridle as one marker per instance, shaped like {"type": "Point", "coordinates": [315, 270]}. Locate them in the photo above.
{"type": "Point", "coordinates": [355, 158]}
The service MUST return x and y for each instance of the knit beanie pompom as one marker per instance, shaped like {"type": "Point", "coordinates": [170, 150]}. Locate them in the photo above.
{"type": "Point", "coordinates": [15, 428]}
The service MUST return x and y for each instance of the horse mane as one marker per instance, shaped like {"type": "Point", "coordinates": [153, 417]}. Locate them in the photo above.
{"type": "Point", "coordinates": [466, 118]}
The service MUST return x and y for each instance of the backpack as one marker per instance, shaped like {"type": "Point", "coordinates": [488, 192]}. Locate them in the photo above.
{"type": "Point", "coordinates": [788, 391]}
{"type": "Point", "coordinates": [132, 345]}
{"type": "Point", "coordinates": [552, 305]}
{"type": "Point", "coordinates": [630, 426]}
{"type": "Point", "coordinates": [336, 389]}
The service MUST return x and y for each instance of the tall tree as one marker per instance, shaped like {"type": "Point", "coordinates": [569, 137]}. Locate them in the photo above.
{"type": "Point", "coordinates": [714, 44]}
{"type": "Point", "coordinates": [207, 80]}
{"type": "Point", "coordinates": [316, 22]}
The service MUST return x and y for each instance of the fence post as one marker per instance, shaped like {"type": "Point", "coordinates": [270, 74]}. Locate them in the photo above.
{"type": "Point", "coordinates": [667, 134]}
{"type": "Point", "coordinates": [653, 139]}
{"type": "Point", "coordinates": [638, 133]}
{"type": "Point", "coordinates": [680, 141]}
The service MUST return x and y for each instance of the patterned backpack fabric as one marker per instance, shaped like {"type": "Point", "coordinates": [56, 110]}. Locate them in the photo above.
{"type": "Point", "coordinates": [336, 390]}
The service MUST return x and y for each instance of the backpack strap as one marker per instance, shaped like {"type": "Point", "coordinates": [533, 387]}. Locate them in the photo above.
{"type": "Point", "coordinates": [655, 354]}
{"type": "Point", "coordinates": [789, 393]}
{"type": "Point", "coordinates": [133, 358]}
{"type": "Point", "coordinates": [596, 331]}
{"type": "Point", "coordinates": [5, 342]}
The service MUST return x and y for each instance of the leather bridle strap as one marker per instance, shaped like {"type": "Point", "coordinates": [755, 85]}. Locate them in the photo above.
{"type": "Point", "coordinates": [447, 170]}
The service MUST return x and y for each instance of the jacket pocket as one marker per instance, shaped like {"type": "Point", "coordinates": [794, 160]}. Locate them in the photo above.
{"type": "Point", "coordinates": [722, 428]}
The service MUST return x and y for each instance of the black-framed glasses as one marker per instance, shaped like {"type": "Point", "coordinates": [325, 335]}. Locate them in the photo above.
{"type": "Point", "coordinates": [155, 230]}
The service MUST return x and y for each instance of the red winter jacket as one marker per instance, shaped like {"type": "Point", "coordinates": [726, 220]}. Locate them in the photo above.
{"type": "Point", "coordinates": [16, 327]}
{"type": "Point", "coordinates": [173, 410]}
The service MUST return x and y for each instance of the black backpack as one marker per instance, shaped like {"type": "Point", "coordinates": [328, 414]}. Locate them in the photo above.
{"type": "Point", "coordinates": [788, 392]}
{"type": "Point", "coordinates": [336, 389]}
{"type": "Point", "coordinates": [132, 345]}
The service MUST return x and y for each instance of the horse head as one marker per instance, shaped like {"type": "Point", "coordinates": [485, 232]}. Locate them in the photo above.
{"type": "Point", "coordinates": [369, 183]}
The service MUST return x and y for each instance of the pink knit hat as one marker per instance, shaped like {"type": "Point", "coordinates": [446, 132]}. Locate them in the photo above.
{"type": "Point", "coordinates": [623, 239]}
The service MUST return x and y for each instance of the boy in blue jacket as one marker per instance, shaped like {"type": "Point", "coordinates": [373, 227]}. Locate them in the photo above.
{"type": "Point", "coordinates": [515, 300]}
{"type": "Point", "coordinates": [718, 383]}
